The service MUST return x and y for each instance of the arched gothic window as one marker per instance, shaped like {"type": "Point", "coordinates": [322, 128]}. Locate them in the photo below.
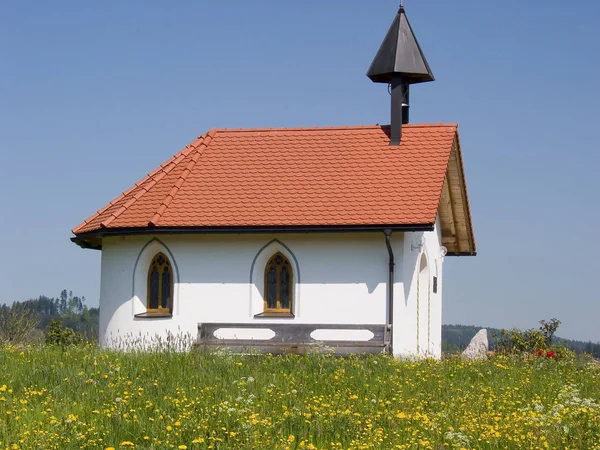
{"type": "Point", "coordinates": [160, 285]}
{"type": "Point", "coordinates": [278, 284]}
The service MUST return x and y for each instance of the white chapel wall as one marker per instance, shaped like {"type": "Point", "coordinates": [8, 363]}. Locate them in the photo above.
{"type": "Point", "coordinates": [418, 310]}
{"type": "Point", "coordinates": [339, 278]}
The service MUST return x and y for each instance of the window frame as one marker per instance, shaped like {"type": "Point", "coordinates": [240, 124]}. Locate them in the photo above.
{"type": "Point", "coordinates": [160, 310]}
{"type": "Point", "coordinates": [278, 309]}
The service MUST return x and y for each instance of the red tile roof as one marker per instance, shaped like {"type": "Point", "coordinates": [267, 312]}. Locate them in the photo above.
{"type": "Point", "coordinates": [290, 177]}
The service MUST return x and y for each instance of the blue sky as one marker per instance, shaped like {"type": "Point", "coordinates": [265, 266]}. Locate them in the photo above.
{"type": "Point", "coordinates": [93, 95]}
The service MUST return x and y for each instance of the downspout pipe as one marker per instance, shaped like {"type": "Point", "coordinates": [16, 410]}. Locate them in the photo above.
{"type": "Point", "coordinates": [390, 302]}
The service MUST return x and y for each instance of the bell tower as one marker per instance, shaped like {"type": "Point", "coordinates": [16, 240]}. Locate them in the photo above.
{"type": "Point", "coordinates": [399, 62]}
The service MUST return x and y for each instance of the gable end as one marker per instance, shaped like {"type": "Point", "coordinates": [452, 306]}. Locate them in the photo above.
{"type": "Point", "coordinates": [454, 212]}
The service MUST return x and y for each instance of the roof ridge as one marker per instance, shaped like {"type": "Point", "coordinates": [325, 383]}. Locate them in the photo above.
{"type": "Point", "coordinates": [204, 142]}
{"type": "Point", "coordinates": [333, 128]}
{"type": "Point", "coordinates": [428, 125]}
{"type": "Point", "coordinates": [151, 178]}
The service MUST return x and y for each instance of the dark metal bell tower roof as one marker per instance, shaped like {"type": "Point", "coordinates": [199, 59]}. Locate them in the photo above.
{"type": "Point", "coordinates": [400, 54]}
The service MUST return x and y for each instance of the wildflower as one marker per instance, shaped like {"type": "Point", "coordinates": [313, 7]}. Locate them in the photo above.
{"type": "Point", "coordinates": [182, 447]}
{"type": "Point", "coordinates": [551, 354]}
{"type": "Point", "coordinates": [539, 352]}
{"type": "Point", "coordinates": [126, 444]}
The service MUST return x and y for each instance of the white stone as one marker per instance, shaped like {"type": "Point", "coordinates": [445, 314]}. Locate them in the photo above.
{"type": "Point", "coordinates": [478, 347]}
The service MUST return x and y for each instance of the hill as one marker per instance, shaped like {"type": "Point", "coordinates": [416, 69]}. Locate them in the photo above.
{"type": "Point", "coordinates": [455, 339]}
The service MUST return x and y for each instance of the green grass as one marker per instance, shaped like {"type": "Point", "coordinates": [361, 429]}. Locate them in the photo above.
{"type": "Point", "coordinates": [87, 397]}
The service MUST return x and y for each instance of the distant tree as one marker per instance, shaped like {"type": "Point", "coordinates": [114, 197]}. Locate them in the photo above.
{"type": "Point", "coordinates": [548, 328]}
{"type": "Point", "coordinates": [18, 324]}
{"type": "Point", "coordinates": [63, 301]}
{"type": "Point", "coordinates": [450, 347]}
{"type": "Point", "coordinates": [74, 304]}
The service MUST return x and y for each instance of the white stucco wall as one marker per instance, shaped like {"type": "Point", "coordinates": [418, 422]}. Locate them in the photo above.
{"type": "Point", "coordinates": [339, 278]}
{"type": "Point", "coordinates": [418, 310]}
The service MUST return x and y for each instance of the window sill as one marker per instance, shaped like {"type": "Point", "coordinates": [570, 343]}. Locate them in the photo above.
{"type": "Point", "coordinates": [270, 315]}
{"type": "Point", "coordinates": [153, 315]}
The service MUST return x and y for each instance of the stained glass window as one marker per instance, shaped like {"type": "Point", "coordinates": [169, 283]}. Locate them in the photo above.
{"type": "Point", "coordinates": [160, 285]}
{"type": "Point", "coordinates": [272, 287]}
{"type": "Point", "coordinates": [154, 289]}
{"type": "Point", "coordinates": [166, 288]}
{"type": "Point", "coordinates": [278, 284]}
{"type": "Point", "coordinates": [284, 287]}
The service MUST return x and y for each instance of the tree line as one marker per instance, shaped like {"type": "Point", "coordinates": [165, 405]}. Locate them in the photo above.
{"type": "Point", "coordinates": [28, 321]}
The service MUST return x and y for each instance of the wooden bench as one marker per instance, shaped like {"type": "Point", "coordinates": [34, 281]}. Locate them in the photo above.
{"type": "Point", "coordinates": [277, 338]}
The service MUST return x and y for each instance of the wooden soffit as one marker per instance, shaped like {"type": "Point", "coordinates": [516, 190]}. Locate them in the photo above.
{"type": "Point", "coordinates": [454, 213]}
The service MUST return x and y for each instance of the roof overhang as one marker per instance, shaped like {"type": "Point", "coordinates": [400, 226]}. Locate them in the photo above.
{"type": "Point", "coordinates": [454, 212]}
{"type": "Point", "coordinates": [93, 239]}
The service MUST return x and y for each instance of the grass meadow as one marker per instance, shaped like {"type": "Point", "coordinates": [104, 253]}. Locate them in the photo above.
{"type": "Point", "coordinates": [90, 398]}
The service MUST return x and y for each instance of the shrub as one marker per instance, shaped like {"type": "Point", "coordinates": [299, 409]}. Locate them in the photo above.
{"type": "Point", "coordinates": [62, 336]}
{"type": "Point", "coordinates": [516, 341]}
{"type": "Point", "coordinates": [564, 353]}
{"type": "Point", "coordinates": [533, 342]}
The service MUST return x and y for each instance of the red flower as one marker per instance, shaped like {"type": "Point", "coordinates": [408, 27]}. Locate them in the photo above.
{"type": "Point", "coordinates": [551, 354]}
{"type": "Point", "coordinates": [539, 353]}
